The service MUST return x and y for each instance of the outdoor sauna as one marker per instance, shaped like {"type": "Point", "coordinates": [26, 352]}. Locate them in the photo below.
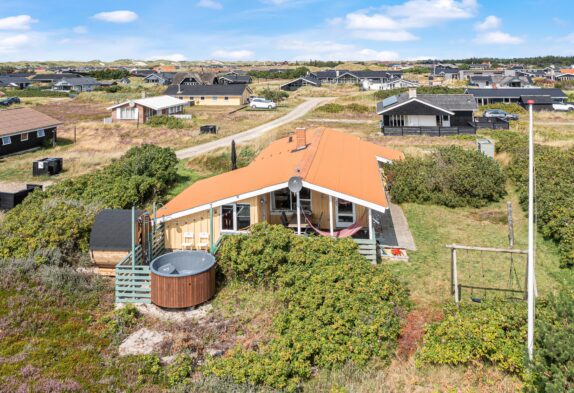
{"type": "Point", "coordinates": [182, 279]}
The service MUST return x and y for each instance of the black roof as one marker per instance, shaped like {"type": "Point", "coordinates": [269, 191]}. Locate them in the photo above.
{"type": "Point", "coordinates": [447, 102]}
{"type": "Point", "coordinates": [516, 92]}
{"type": "Point", "coordinates": [112, 230]}
{"type": "Point", "coordinates": [235, 89]}
{"type": "Point", "coordinates": [236, 78]}
{"type": "Point", "coordinates": [538, 100]}
{"type": "Point", "coordinates": [358, 74]}
{"type": "Point", "coordinates": [51, 77]}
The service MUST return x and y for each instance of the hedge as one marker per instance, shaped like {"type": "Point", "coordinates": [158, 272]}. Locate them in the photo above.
{"type": "Point", "coordinates": [61, 217]}
{"type": "Point", "coordinates": [450, 176]}
{"type": "Point", "coordinates": [167, 122]}
{"type": "Point", "coordinates": [336, 306]}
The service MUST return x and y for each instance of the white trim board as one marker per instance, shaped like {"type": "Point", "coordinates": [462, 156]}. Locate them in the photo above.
{"type": "Point", "coordinates": [412, 100]}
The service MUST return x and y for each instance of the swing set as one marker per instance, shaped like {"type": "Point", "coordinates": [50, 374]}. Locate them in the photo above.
{"type": "Point", "coordinates": [512, 293]}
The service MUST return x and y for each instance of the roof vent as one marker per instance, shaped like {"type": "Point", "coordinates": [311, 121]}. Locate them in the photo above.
{"type": "Point", "coordinates": [412, 92]}
{"type": "Point", "coordinates": [300, 138]}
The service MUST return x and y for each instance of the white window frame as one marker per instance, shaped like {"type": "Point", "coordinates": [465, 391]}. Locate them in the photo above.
{"type": "Point", "coordinates": [292, 202]}
{"type": "Point", "coordinates": [343, 224]}
{"type": "Point", "coordinates": [22, 139]}
{"type": "Point", "coordinates": [128, 113]}
{"type": "Point", "coordinates": [234, 230]}
{"type": "Point", "coordinates": [40, 133]}
{"type": "Point", "coordinates": [213, 98]}
{"type": "Point", "coordinates": [6, 138]}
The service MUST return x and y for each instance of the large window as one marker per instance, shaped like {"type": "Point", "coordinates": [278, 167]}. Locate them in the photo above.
{"type": "Point", "coordinates": [40, 133]}
{"type": "Point", "coordinates": [6, 140]}
{"type": "Point", "coordinates": [235, 217]}
{"type": "Point", "coordinates": [285, 200]}
{"type": "Point", "coordinates": [128, 113]}
{"type": "Point", "coordinates": [397, 120]}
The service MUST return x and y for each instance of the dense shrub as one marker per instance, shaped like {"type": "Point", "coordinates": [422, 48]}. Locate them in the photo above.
{"type": "Point", "coordinates": [489, 332]}
{"type": "Point", "coordinates": [166, 122]}
{"type": "Point", "coordinates": [338, 108]}
{"type": "Point", "coordinates": [338, 308]}
{"type": "Point", "coordinates": [274, 95]}
{"type": "Point", "coordinates": [180, 371]}
{"type": "Point", "coordinates": [509, 108]}
{"type": "Point", "coordinates": [34, 92]}
{"type": "Point", "coordinates": [554, 188]}
{"type": "Point", "coordinates": [553, 367]}
{"type": "Point", "coordinates": [450, 176]}
{"type": "Point", "coordinates": [291, 73]}
{"type": "Point", "coordinates": [358, 108]}
{"type": "Point", "coordinates": [110, 74]}
{"type": "Point", "coordinates": [61, 217]}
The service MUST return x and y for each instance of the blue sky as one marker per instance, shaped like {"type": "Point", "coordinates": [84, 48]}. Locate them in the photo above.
{"type": "Point", "coordinates": [283, 29]}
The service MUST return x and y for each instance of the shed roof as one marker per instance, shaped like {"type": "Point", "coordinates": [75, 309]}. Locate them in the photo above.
{"type": "Point", "coordinates": [81, 81]}
{"type": "Point", "coordinates": [516, 92]}
{"type": "Point", "coordinates": [333, 162]}
{"type": "Point", "coordinates": [17, 120]}
{"type": "Point", "coordinates": [446, 102]}
{"type": "Point", "coordinates": [112, 230]}
{"type": "Point", "coordinates": [155, 103]}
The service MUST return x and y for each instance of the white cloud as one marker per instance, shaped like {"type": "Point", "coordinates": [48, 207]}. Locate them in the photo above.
{"type": "Point", "coordinates": [313, 46]}
{"type": "Point", "coordinates": [497, 37]}
{"type": "Point", "coordinates": [391, 35]}
{"type": "Point", "coordinates": [20, 22]}
{"type": "Point", "coordinates": [490, 23]}
{"type": "Point", "coordinates": [374, 22]}
{"type": "Point", "coordinates": [12, 43]}
{"type": "Point", "coordinates": [211, 4]}
{"type": "Point", "coordinates": [170, 57]}
{"type": "Point", "coordinates": [233, 54]}
{"type": "Point", "coordinates": [80, 29]}
{"type": "Point", "coordinates": [120, 16]}
{"type": "Point", "coordinates": [371, 54]}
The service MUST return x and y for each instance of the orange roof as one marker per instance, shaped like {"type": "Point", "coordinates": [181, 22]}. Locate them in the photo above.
{"type": "Point", "coordinates": [333, 162]}
{"type": "Point", "coordinates": [567, 71]}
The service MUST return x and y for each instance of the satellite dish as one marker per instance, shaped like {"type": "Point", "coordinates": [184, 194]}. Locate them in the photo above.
{"type": "Point", "coordinates": [295, 184]}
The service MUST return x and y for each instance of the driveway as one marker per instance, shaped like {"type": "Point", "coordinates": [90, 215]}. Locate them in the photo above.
{"type": "Point", "coordinates": [297, 112]}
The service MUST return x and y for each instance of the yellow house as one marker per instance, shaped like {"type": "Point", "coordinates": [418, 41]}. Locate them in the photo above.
{"type": "Point", "coordinates": [318, 180]}
{"type": "Point", "coordinates": [216, 95]}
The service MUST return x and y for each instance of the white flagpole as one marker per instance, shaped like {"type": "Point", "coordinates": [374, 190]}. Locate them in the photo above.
{"type": "Point", "coordinates": [531, 279]}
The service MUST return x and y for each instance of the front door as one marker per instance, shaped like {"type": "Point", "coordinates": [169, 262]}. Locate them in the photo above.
{"type": "Point", "coordinates": [445, 121]}
{"type": "Point", "coordinates": [344, 213]}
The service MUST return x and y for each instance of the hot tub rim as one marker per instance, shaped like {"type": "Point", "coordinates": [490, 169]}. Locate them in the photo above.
{"type": "Point", "coordinates": [153, 270]}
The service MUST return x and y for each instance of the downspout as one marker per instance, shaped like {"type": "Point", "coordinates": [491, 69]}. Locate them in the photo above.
{"type": "Point", "coordinates": [211, 245]}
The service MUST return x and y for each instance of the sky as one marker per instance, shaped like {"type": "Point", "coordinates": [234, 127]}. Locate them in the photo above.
{"type": "Point", "coordinates": [275, 30]}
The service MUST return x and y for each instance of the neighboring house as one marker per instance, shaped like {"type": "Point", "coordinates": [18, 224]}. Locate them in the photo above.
{"type": "Point", "coordinates": [235, 73]}
{"type": "Point", "coordinates": [333, 196]}
{"type": "Point", "coordinates": [500, 81]}
{"type": "Point", "coordinates": [481, 66]}
{"type": "Point", "coordinates": [160, 78]}
{"type": "Point", "coordinates": [448, 73]}
{"type": "Point", "coordinates": [125, 81]}
{"type": "Point", "coordinates": [24, 129]}
{"type": "Point", "coordinates": [51, 78]}
{"type": "Point", "coordinates": [16, 82]}
{"type": "Point", "coordinates": [433, 114]}
{"type": "Point", "coordinates": [79, 85]}
{"type": "Point", "coordinates": [141, 73]}
{"type": "Point", "coordinates": [233, 94]}
{"type": "Point", "coordinates": [355, 77]}
{"type": "Point", "coordinates": [564, 77]}
{"type": "Point", "coordinates": [195, 78]}
{"type": "Point", "coordinates": [394, 83]}
{"type": "Point", "coordinates": [306, 80]}
{"type": "Point", "coordinates": [233, 79]}
{"type": "Point", "coordinates": [139, 111]}
{"type": "Point", "coordinates": [514, 95]}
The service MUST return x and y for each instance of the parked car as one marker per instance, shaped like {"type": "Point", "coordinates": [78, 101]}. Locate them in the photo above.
{"type": "Point", "coordinates": [568, 106]}
{"type": "Point", "coordinates": [262, 103]}
{"type": "Point", "coordinates": [9, 101]}
{"type": "Point", "coordinates": [500, 114]}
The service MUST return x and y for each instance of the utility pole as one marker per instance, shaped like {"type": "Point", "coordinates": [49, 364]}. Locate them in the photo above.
{"type": "Point", "coordinates": [531, 290]}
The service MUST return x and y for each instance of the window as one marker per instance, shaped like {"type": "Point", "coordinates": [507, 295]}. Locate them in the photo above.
{"type": "Point", "coordinates": [397, 120]}
{"type": "Point", "coordinates": [226, 98]}
{"type": "Point", "coordinates": [24, 137]}
{"type": "Point", "coordinates": [214, 98]}
{"type": "Point", "coordinates": [40, 133]}
{"type": "Point", "coordinates": [345, 213]}
{"type": "Point", "coordinates": [285, 200]}
{"type": "Point", "coordinates": [202, 98]}
{"type": "Point", "coordinates": [128, 113]}
{"type": "Point", "coordinates": [6, 140]}
{"type": "Point", "coordinates": [235, 217]}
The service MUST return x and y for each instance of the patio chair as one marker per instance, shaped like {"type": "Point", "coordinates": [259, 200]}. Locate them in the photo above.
{"type": "Point", "coordinates": [203, 241]}
{"type": "Point", "coordinates": [188, 240]}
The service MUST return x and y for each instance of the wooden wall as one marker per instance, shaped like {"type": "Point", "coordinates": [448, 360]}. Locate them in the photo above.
{"type": "Point", "coordinates": [182, 292]}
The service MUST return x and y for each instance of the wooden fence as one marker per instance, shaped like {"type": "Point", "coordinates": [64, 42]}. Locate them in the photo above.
{"type": "Point", "coordinates": [428, 131]}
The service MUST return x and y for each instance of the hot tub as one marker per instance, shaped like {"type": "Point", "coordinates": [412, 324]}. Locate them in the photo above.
{"type": "Point", "coordinates": [182, 279]}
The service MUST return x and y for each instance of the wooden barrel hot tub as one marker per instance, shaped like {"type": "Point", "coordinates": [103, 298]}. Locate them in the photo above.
{"type": "Point", "coordinates": [182, 279]}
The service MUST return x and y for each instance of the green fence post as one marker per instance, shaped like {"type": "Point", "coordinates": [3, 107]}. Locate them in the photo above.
{"type": "Point", "coordinates": [211, 245]}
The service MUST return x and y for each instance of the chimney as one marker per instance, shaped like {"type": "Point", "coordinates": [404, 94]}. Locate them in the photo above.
{"type": "Point", "coordinates": [300, 138]}
{"type": "Point", "coordinates": [337, 73]}
{"type": "Point", "coordinates": [412, 92]}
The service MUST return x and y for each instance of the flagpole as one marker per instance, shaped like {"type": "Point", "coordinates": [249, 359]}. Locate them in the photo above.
{"type": "Point", "coordinates": [531, 279]}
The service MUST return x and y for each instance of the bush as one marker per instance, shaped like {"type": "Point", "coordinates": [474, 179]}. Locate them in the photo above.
{"type": "Point", "coordinates": [292, 73]}
{"type": "Point", "coordinates": [331, 108]}
{"type": "Point", "coordinates": [68, 279]}
{"type": "Point", "coordinates": [62, 216]}
{"type": "Point", "coordinates": [167, 122]}
{"type": "Point", "coordinates": [451, 176]}
{"type": "Point", "coordinates": [358, 108]}
{"type": "Point", "coordinates": [180, 371]}
{"type": "Point", "coordinates": [509, 108]}
{"type": "Point", "coordinates": [489, 332]}
{"type": "Point", "coordinates": [338, 308]}
{"type": "Point", "coordinates": [553, 366]}
{"type": "Point", "coordinates": [274, 95]}
{"type": "Point", "coordinates": [120, 321]}
{"type": "Point", "coordinates": [34, 92]}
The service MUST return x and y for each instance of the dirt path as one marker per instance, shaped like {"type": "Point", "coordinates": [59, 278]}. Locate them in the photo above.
{"type": "Point", "coordinates": [296, 113]}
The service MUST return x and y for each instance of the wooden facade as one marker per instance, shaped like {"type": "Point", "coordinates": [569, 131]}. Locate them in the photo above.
{"type": "Point", "coordinates": [178, 231]}
{"type": "Point", "coordinates": [26, 140]}
{"type": "Point", "coordinates": [182, 292]}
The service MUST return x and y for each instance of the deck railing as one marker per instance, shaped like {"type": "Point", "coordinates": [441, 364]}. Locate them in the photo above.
{"type": "Point", "coordinates": [133, 280]}
{"type": "Point", "coordinates": [429, 131]}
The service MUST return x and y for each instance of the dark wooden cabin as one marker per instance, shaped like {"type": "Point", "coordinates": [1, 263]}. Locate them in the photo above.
{"type": "Point", "coordinates": [23, 129]}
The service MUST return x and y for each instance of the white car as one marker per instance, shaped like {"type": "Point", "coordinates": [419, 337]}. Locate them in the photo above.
{"type": "Point", "coordinates": [563, 107]}
{"type": "Point", "coordinates": [262, 103]}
